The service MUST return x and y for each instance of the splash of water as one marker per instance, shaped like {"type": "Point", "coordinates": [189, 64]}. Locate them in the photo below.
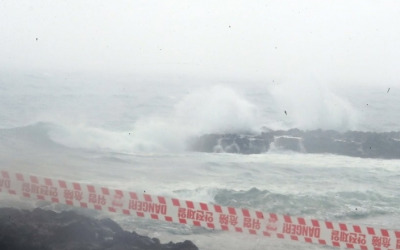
{"type": "Point", "coordinates": [215, 109]}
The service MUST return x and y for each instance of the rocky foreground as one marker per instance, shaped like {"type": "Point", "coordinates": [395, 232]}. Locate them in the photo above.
{"type": "Point", "coordinates": [48, 230]}
{"type": "Point", "coordinates": [351, 143]}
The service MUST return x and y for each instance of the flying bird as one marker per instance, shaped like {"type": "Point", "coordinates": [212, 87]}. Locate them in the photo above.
{"type": "Point", "coordinates": [285, 112]}
{"type": "Point", "coordinates": [388, 90]}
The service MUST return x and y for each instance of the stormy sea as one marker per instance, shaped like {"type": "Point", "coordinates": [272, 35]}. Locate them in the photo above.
{"type": "Point", "coordinates": [323, 152]}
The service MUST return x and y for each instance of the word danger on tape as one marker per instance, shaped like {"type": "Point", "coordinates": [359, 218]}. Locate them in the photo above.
{"type": "Point", "coordinates": [211, 216]}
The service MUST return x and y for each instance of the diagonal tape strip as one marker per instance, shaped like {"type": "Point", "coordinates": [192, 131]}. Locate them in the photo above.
{"type": "Point", "coordinates": [241, 220]}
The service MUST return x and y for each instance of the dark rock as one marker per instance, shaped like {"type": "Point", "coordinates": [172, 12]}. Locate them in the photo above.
{"type": "Point", "coordinates": [231, 143]}
{"type": "Point", "coordinates": [48, 230]}
{"type": "Point", "coordinates": [352, 143]}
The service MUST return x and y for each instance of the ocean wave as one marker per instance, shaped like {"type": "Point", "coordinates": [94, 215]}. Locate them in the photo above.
{"type": "Point", "coordinates": [331, 205]}
{"type": "Point", "coordinates": [53, 136]}
{"type": "Point", "coordinates": [32, 136]}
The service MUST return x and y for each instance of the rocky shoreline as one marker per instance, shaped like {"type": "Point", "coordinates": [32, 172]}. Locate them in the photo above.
{"type": "Point", "coordinates": [48, 230]}
{"type": "Point", "coordinates": [352, 143]}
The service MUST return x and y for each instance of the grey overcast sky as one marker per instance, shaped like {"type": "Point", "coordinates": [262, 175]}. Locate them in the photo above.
{"type": "Point", "coordinates": [344, 41]}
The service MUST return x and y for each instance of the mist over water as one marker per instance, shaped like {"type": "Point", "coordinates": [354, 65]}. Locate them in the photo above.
{"type": "Point", "coordinates": [217, 109]}
{"type": "Point", "coordinates": [123, 117]}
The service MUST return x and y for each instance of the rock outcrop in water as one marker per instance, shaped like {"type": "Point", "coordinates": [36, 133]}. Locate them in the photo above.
{"type": "Point", "coordinates": [351, 143]}
{"type": "Point", "coordinates": [48, 230]}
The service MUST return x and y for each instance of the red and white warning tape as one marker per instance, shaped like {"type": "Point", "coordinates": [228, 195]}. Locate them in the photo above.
{"type": "Point", "coordinates": [199, 214]}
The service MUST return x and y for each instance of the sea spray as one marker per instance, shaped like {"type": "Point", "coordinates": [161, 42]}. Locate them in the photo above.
{"type": "Point", "coordinates": [208, 110]}
{"type": "Point", "coordinates": [314, 106]}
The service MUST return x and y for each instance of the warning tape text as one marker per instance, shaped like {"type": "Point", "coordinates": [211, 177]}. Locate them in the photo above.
{"type": "Point", "coordinates": [149, 207]}
{"type": "Point", "coordinates": [301, 230]}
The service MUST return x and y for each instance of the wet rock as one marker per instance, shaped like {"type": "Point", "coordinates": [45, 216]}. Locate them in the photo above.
{"type": "Point", "coordinates": [48, 230]}
{"type": "Point", "coordinates": [352, 143]}
{"type": "Point", "coordinates": [231, 143]}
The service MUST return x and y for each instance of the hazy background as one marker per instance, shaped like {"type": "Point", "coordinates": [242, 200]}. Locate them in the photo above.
{"type": "Point", "coordinates": [169, 70]}
{"type": "Point", "coordinates": [333, 42]}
